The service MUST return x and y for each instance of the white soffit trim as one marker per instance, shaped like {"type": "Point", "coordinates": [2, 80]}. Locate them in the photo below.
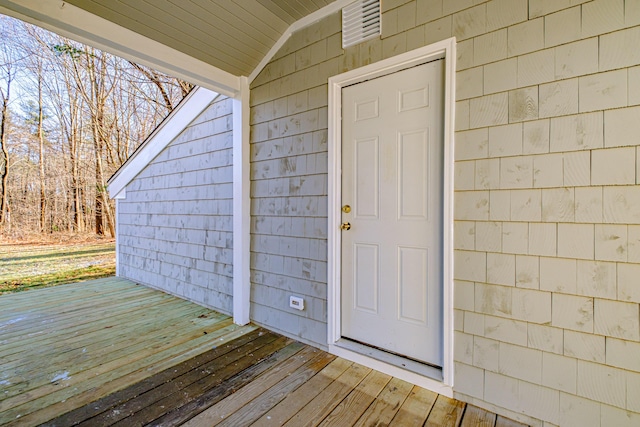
{"type": "Point", "coordinates": [190, 108]}
{"type": "Point", "coordinates": [78, 24]}
{"type": "Point", "coordinates": [296, 26]}
{"type": "Point", "coordinates": [121, 195]}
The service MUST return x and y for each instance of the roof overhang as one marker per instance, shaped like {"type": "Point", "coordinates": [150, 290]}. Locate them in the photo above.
{"type": "Point", "coordinates": [77, 24]}
{"type": "Point", "coordinates": [146, 40]}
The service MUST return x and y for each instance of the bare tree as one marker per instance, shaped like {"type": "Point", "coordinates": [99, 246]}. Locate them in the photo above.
{"type": "Point", "coordinates": [83, 113]}
{"type": "Point", "coordinates": [5, 94]}
{"type": "Point", "coordinates": [40, 133]}
{"type": "Point", "coordinates": [96, 98]}
{"type": "Point", "coordinates": [68, 105]}
{"type": "Point", "coordinates": [8, 74]}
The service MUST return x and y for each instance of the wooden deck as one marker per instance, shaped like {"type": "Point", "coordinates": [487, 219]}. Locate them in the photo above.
{"type": "Point", "coordinates": [109, 352]}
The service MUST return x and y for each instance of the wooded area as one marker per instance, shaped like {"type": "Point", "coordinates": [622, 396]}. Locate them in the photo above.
{"type": "Point", "coordinates": [70, 117]}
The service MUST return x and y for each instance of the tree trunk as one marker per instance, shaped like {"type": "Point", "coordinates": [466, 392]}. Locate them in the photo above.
{"type": "Point", "coordinates": [155, 79]}
{"type": "Point", "coordinates": [43, 198]}
{"type": "Point", "coordinates": [75, 136]}
{"type": "Point", "coordinates": [4, 158]}
{"type": "Point", "coordinates": [78, 209]}
{"type": "Point", "coordinates": [100, 140]}
{"type": "Point", "coordinates": [98, 199]}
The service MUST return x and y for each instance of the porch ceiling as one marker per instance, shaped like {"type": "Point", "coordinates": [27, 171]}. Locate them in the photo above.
{"type": "Point", "coordinates": [231, 35]}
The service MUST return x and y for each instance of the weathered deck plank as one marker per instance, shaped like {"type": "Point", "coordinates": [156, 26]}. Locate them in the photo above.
{"type": "Point", "coordinates": [101, 346]}
{"type": "Point", "coordinates": [477, 417]}
{"type": "Point", "coordinates": [267, 391]}
{"type": "Point", "coordinates": [20, 339]}
{"type": "Point", "coordinates": [82, 317]}
{"type": "Point", "coordinates": [386, 406]}
{"type": "Point", "coordinates": [191, 386]}
{"type": "Point", "coordinates": [128, 356]}
{"type": "Point", "coordinates": [185, 414]}
{"type": "Point", "coordinates": [110, 366]}
{"type": "Point", "coordinates": [294, 402]}
{"type": "Point", "coordinates": [353, 406]}
{"type": "Point", "coordinates": [98, 407]}
{"type": "Point", "coordinates": [445, 413]}
{"type": "Point", "coordinates": [416, 408]}
{"type": "Point", "coordinates": [108, 378]}
{"type": "Point", "coordinates": [324, 403]}
{"type": "Point", "coordinates": [78, 342]}
{"type": "Point", "coordinates": [64, 295]}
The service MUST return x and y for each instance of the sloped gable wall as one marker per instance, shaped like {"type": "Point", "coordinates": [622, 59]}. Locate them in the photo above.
{"type": "Point", "coordinates": [175, 225]}
{"type": "Point", "coordinates": [547, 210]}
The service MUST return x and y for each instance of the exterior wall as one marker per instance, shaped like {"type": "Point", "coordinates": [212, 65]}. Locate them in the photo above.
{"type": "Point", "coordinates": [289, 183]}
{"type": "Point", "coordinates": [547, 209]}
{"type": "Point", "coordinates": [175, 225]}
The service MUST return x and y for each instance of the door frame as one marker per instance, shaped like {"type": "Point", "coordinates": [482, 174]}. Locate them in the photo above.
{"type": "Point", "coordinates": [446, 50]}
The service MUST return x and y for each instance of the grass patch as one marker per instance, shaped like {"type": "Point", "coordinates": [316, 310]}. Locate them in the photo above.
{"type": "Point", "coordinates": [32, 266]}
{"type": "Point", "coordinates": [60, 278]}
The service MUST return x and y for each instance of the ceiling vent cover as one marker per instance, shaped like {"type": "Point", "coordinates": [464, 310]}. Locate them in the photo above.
{"type": "Point", "coordinates": [360, 22]}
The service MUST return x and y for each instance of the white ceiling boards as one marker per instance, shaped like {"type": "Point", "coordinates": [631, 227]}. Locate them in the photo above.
{"type": "Point", "coordinates": [231, 35]}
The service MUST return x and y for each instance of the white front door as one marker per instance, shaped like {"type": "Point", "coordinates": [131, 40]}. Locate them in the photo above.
{"type": "Point", "coordinates": [392, 163]}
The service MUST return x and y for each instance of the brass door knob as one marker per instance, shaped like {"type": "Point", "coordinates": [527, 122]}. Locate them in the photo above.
{"type": "Point", "coordinates": [345, 226]}
{"type": "Point", "coordinates": [346, 209]}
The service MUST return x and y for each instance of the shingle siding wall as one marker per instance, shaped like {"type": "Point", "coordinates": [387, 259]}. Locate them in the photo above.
{"type": "Point", "coordinates": [175, 225]}
{"type": "Point", "coordinates": [546, 204]}
{"type": "Point", "coordinates": [547, 207]}
{"type": "Point", "coordinates": [289, 183]}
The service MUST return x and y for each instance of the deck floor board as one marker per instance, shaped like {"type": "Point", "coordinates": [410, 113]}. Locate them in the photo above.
{"type": "Point", "coordinates": [295, 401]}
{"type": "Point", "coordinates": [416, 407]}
{"type": "Point", "coordinates": [185, 414]}
{"type": "Point", "coordinates": [268, 389]}
{"type": "Point", "coordinates": [386, 405]}
{"type": "Point", "coordinates": [111, 353]}
{"type": "Point", "coordinates": [477, 417]}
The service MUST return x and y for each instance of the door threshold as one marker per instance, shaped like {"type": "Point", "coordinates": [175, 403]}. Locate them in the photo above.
{"type": "Point", "coordinates": [420, 368]}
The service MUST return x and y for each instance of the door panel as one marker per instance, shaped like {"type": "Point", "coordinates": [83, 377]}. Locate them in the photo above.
{"type": "Point", "coordinates": [366, 174]}
{"type": "Point", "coordinates": [366, 278]}
{"type": "Point", "coordinates": [412, 285]}
{"type": "Point", "coordinates": [413, 167]}
{"type": "Point", "coordinates": [392, 162]}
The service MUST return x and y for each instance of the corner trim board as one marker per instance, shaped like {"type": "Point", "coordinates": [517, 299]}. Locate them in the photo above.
{"type": "Point", "coordinates": [445, 49]}
{"type": "Point", "coordinates": [117, 211]}
{"type": "Point", "coordinates": [241, 205]}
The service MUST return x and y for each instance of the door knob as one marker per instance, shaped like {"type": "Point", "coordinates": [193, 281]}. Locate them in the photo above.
{"type": "Point", "coordinates": [346, 209]}
{"type": "Point", "coordinates": [345, 226]}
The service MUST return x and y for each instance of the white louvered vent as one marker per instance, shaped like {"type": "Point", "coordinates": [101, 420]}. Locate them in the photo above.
{"type": "Point", "coordinates": [360, 22]}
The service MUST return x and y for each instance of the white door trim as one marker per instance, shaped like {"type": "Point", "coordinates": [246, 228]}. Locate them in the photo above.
{"type": "Point", "coordinates": [444, 49]}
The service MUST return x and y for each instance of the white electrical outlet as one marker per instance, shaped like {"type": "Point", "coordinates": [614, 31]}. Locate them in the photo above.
{"type": "Point", "coordinates": [296, 302]}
